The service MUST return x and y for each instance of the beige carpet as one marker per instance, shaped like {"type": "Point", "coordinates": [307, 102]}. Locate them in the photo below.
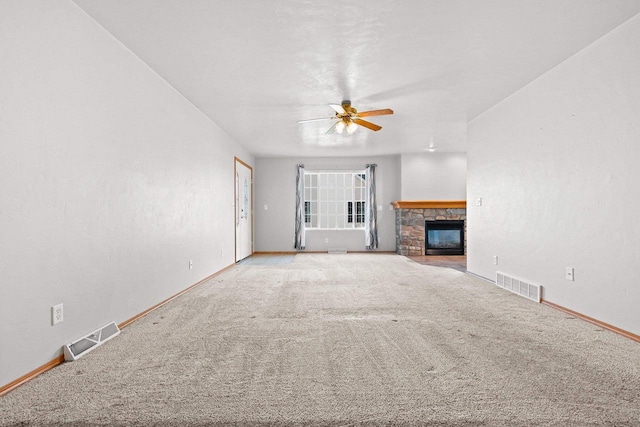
{"type": "Point", "coordinates": [355, 339]}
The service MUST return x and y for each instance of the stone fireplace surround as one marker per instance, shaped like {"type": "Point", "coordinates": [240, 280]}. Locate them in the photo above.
{"type": "Point", "coordinates": [410, 218]}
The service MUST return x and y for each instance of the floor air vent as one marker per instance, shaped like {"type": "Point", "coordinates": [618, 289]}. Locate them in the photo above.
{"type": "Point", "coordinates": [84, 345]}
{"type": "Point", "coordinates": [338, 250]}
{"type": "Point", "coordinates": [518, 286]}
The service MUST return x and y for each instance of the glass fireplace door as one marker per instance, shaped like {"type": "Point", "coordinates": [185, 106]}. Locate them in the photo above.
{"type": "Point", "coordinates": [444, 237]}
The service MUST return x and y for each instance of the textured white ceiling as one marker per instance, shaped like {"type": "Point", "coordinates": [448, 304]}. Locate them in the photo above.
{"type": "Point", "coordinates": [257, 67]}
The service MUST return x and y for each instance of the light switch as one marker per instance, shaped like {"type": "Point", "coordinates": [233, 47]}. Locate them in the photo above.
{"type": "Point", "coordinates": [569, 273]}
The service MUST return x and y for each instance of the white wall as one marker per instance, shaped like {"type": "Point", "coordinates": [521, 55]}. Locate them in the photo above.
{"type": "Point", "coordinates": [110, 182]}
{"type": "Point", "coordinates": [434, 176]}
{"type": "Point", "coordinates": [556, 165]}
{"type": "Point", "coordinates": [275, 187]}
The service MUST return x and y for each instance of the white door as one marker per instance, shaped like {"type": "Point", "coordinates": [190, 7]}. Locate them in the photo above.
{"type": "Point", "coordinates": [244, 220]}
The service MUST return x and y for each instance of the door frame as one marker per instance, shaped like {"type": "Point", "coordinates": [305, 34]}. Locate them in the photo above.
{"type": "Point", "coordinates": [236, 202]}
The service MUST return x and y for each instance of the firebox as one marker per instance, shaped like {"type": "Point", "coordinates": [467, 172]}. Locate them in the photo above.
{"type": "Point", "coordinates": [444, 237]}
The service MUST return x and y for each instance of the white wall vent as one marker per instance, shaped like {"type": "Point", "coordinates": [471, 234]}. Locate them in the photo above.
{"type": "Point", "coordinates": [337, 250]}
{"type": "Point", "coordinates": [518, 286]}
{"type": "Point", "coordinates": [84, 345]}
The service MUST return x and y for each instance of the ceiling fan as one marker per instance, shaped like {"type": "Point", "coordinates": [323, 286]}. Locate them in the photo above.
{"type": "Point", "coordinates": [349, 118]}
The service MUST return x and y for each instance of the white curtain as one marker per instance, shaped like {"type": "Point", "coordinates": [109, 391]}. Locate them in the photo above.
{"type": "Point", "coordinates": [371, 209]}
{"type": "Point", "coordinates": [300, 209]}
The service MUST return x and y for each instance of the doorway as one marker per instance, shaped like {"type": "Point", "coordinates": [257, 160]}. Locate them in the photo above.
{"type": "Point", "coordinates": [243, 209]}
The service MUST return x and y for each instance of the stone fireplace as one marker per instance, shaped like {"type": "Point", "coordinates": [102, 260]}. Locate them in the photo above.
{"type": "Point", "coordinates": [411, 217]}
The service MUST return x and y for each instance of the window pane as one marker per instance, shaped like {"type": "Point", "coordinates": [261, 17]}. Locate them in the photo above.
{"type": "Point", "coordinates": [360, 212]}
{"type": "Point", "coordinates": [348, 182]}
{"type": "Point", "coordinates": [307, 212]}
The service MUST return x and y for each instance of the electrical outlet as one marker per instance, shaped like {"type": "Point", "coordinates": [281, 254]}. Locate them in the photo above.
{"type": "Point", "coordinates": [326, 240]}
{"type": "Point", "coordinates": [190, 264]}
{"type": "Point", "coordinates": [495, 260]}
{"type": "Point", "coordinates": [57, 314]}
{"type": "Point", "coordinates": [221, 253]}
{"type": "Point", "coordinates": [479, 201]}
{"type": "Point", "coordinates": [569, 273]}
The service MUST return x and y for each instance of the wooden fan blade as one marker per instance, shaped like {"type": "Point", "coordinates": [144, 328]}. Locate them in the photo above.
{"type": "Point", "coordinates": [338, 108]}
{"type": "Point", "coordinates": [332, 129]}
{"type": "Point", "coordinates": [367, 124]}
{"type": "Point", "coordinates": [315, 120]}
{"type": "Point", "coordinates": [375, 112]}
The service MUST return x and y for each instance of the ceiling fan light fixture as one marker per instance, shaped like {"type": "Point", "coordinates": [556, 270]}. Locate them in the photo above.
{"type": "Point", "coordinates": [350, 119]}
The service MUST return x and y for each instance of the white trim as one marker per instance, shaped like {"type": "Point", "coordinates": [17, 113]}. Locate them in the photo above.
{"type": "Point", "coordinates": [335, 171]}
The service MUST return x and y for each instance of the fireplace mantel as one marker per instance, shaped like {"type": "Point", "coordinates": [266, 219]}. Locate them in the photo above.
{"type": "Point", "coordinates": [429, 204]}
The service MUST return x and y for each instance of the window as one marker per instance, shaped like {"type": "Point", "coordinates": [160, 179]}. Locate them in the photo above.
{"type": "Point", "coordinates": [307, 213]}
{"type": "Point", "coordinates": [359, 212]}
{"type": "Point", "coordinates": [334, 200]}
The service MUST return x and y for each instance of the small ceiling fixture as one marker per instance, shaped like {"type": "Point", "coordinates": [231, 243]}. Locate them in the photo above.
{"type": "Point", "coordinates": [345, 123]}
{"type": "Point", "coordinates": [348, 118]}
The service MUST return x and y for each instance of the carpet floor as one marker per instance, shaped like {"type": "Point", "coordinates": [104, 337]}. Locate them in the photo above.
{"type": "Point", "coordinates": [353, 339]}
